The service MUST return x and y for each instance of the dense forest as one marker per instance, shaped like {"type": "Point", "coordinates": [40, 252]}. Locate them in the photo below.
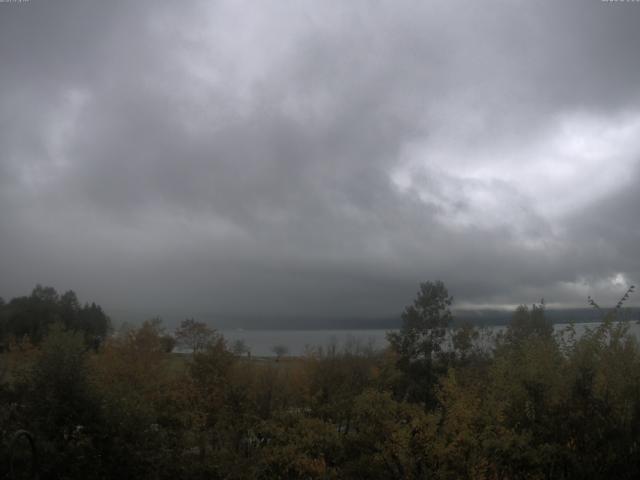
{"type": "Point", "coordinates": [439, 402]}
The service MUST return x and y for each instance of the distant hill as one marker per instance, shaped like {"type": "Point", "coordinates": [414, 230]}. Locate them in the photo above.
{"type": "Point", "coordinates": [480, 317]}
{"type": "Point", "coordinates": [484, 317]}
{"type": "Point", "coordinates": [559, 315]}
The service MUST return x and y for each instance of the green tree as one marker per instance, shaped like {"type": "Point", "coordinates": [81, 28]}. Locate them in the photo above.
{"type": "Point", "coordinates": [205, 392]}
{"type": "Point", "coordinates": [194, 335]}
{"type": "Point", "coordinates": [527, 324]}
{"type": "Point", "coordinates": [419, 343]}
{"type": "Point", "coordinates": [388, 439]}
{"type": "Point", "coordinates": [93, 322]}
{"type": "Point", "coordinates": [62, 406]}
{"type": "Point", "coordinates": [33, 315]}
{"type": "Point", "coordinates": [297, 446]}
{"type": "Point", "coordinates": [135, 378]}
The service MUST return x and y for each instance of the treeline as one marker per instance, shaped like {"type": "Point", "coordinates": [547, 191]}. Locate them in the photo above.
{"type": "Point", "coordinates": [437, 403]}
{"type": "Point", "coordinates": [31, 316]}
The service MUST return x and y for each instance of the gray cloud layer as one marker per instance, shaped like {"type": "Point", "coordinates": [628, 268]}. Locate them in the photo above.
{"type": "Point", "coordinates": [319, 158]}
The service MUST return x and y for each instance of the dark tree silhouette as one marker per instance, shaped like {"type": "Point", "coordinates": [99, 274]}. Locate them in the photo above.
{"type": "Point", "coordinates": [418, 344]}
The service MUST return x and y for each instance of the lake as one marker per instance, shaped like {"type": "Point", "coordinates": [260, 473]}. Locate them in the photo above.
{"type": "Point", "coordinates": [261, 342]}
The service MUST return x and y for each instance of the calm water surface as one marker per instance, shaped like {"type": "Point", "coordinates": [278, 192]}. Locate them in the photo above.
{"type": "Point", "coordinates": [261, 342]}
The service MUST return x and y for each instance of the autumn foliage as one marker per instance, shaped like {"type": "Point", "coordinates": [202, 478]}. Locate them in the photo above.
{"type": "Point", "coordinates": [440, 402]}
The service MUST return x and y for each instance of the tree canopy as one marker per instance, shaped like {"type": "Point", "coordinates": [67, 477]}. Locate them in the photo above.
{"type": "Point", "coordinates": [33, 315]}
{"type": "Point", "coordinates": [440, 402]}
{"type": "Point", "coordinates": [419, 343]}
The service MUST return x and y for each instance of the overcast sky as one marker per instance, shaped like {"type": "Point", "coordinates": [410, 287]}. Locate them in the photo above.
{"type": "Point", "coordinates": [319, 158]}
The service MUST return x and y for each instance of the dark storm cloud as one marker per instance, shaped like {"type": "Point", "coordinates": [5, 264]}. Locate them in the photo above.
{"type": "Point", "coordinates": [288, 158]}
